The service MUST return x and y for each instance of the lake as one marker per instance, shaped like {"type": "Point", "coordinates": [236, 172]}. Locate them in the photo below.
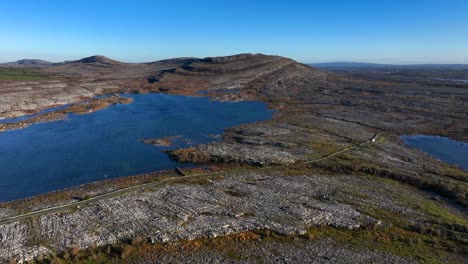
{"type": "Point", "coordinates": [105, 144]}
{"type": "Point", "coordinates": [442, 148]}
{"type": "Point", "coordinates": [464, 81]}
{"type": "Point", "coordinates": [454, 80]}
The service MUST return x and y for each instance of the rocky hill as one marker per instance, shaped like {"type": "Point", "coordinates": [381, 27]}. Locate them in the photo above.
{"type": "Point", "coordinates": [256, 74]}
{"type": "Point", "coordinates": [98, 59]}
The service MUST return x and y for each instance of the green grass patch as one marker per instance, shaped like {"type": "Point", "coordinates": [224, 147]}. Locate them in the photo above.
{"type": "Point", "coordinates": [454, 172]}
{"type": "Point", "coordinates": [322, 148]}
{"type": "Point", "coordinates": [393, 240]}
{"type": "Point", "coordinates": [437, 212]}
{"type": "Point", "coordinates": [22, 74]}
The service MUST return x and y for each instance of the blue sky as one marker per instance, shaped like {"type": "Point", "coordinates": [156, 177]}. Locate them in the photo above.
{"type": "Point", "coordinates": [381, 31]}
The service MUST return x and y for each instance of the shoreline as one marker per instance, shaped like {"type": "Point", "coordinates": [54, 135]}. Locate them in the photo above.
{"type": "Point", "coordinates": [99, 187]}
{"type": "Point", "coordinates": [163, 180]}
{"type": "Point", "coordinates": [113, 98]}
{"type": "Point", "coordinates": [62, 112]}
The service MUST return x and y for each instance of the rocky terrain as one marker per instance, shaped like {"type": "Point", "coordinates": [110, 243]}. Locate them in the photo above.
{"type": "Point", "coordinates": [85, 107]}
{"type": "Point", "coordinates": [288, 176]}
{"type": "Point", "coordinates": [297, 251]}
{"type": "Point", "coordinates": [396, 107]}
{"type": "Point", "coordinates": [216, 206]}
{"type": "Point", "coordinates": [73, 81]}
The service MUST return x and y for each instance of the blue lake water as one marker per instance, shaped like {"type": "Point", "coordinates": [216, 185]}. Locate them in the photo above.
{"type": "Point", "coordinates": [442, 148]}
{"type": "Point", "coordinates": [461, 81]}
{"type": "Point", "coordinates": [454, 80]}
{"type": "Point", "coordinates": [105, 144]}
{"type": "Point", "coordinates": [464, 81]}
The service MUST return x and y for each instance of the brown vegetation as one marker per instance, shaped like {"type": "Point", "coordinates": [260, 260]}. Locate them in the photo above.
{"type": "Point", "coordinates": [191, 155]}
{"type": "Point", "coordinates": [445, 187]}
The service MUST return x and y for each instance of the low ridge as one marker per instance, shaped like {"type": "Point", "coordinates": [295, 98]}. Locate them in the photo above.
{"type": "Point", "coordinates": [265, 75]}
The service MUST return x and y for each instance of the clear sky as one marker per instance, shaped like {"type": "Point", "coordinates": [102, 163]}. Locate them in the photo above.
{"type": "Point", "coordinates": [381, 31]}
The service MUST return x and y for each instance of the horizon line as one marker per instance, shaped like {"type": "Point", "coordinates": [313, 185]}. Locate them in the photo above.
{"type": "Point", "coordinates": [300, 61]}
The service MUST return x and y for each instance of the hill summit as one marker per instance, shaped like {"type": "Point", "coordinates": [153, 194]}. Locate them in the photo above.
{"type": "Point", "coordinates": [99, 59]}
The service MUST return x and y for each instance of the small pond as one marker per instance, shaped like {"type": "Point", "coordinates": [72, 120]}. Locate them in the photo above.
{"type": "Point", "coordinates": [442, 148]}
{"type": "Point", "coordinates": [105, 144]}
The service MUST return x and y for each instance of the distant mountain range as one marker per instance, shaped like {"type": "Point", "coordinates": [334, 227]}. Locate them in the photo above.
{"type": "Point", "coordinates": [99, 59]}
{"type": "Point", "coordinates": [96, 59]}
{"type": "Point", "coordinates": [27, 63]}
{"type": "Point", "coordinates": [364, 65]}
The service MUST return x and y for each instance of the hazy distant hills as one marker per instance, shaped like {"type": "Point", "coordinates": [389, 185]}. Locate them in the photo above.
{"type": "Point", "coordinates": [364, 65]}
{"type": "Point", "coordinates": [27, 63]}
{"type": "Point", "coordinates": [99, 59]}
{"type": "Point", "coordinates": [347, 65]}
{"type": "Point", "coordinates": [96, 59]}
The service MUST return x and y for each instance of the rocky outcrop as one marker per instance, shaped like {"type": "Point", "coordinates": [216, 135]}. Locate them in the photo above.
{"type": "Point", "coordinates": [161, 142]}
{"type": "Point", "coordinates": [236, 63]}
{"type": "Point", "coordinates": [260, 145]}
{"type": "Point", "coordinates": [232, 72]}
{"type": "Point", "coordinates": [222, 152]}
